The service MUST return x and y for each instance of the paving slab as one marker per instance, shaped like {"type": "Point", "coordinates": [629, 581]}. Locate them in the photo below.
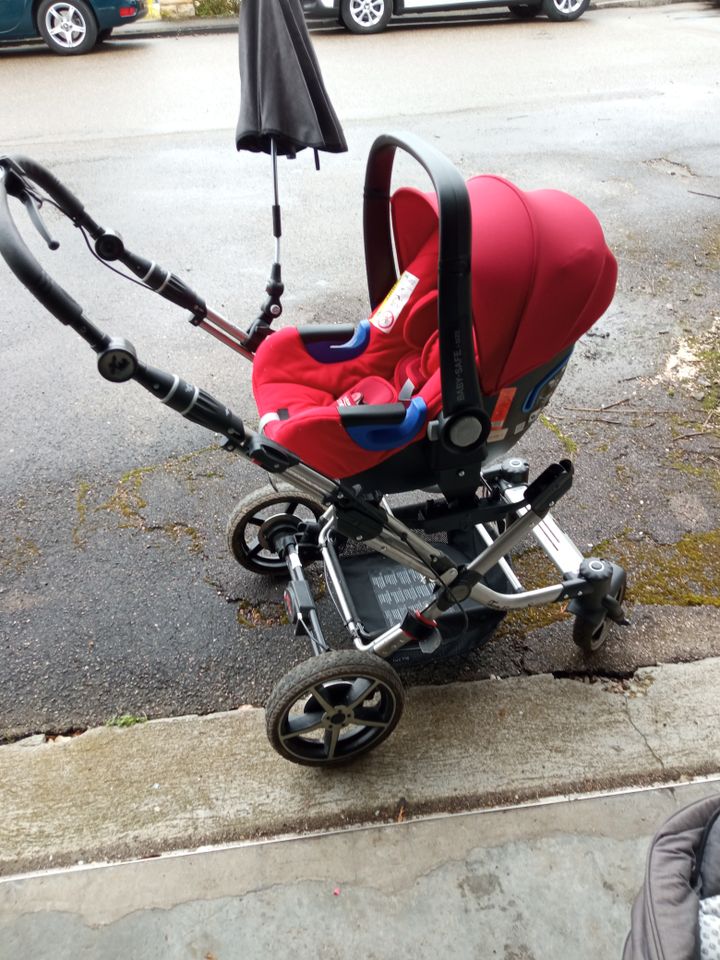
{"type": "Point", "coordinates": [113, 794]}
{"type": "Point", "coordinates": [527, 883]}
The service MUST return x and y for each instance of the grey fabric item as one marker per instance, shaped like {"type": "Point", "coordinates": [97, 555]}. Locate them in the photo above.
{"type": "Point", "coordinates": [282, 94]}
{"type": "Point", "coordinates": [709, 923]}
{"type": "Point", "coordinates": [710, 869]}
{"type": "Point", "coordinates": [664, 923]}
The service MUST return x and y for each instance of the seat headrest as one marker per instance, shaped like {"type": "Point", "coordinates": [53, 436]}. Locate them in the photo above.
{"type": "Point", "coordinates": [541, 272]}
{"type": "Point", "coordinates": [414, 220]}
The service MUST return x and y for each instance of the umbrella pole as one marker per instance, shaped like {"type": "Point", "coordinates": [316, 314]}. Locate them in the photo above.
{"type": "Point", "coordinates": [271, 308]}
{"type": "Point", "coordinates": [277, 222]}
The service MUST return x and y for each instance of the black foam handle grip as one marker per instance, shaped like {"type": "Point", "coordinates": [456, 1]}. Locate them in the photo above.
{"type": "Point", "coordinates": [191, 402]}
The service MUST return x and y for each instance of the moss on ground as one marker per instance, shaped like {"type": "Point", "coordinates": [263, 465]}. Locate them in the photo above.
{"type": "Point", "coordinates": [682, 574]}
{"type": "Point", "coordinates": [569, 445]}
{"type": "Point", "coordinates": [270, 613]}
{"type": "Point", "coordinates": [128, 502]}
{"type": "Point", "coordinates": [17, 553]}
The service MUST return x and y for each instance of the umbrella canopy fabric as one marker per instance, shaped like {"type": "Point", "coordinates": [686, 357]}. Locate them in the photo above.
{"type": "Point", "coordinates": [282, 97]}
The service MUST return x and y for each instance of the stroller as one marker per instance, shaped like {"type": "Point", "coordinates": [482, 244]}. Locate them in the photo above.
{"type": "Point", "coordinates": [478, 294]}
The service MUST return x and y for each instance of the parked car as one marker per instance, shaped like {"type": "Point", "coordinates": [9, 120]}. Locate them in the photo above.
{"type": "Point", "coordinates": [372, 16]}
{"type": "Point", "coordinates": [67, 26]}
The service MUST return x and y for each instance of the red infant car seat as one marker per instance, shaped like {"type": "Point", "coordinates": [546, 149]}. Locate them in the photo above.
{"type": "Point", "coordinates": [541, 275]}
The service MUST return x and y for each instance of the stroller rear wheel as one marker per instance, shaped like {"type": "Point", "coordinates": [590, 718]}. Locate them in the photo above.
{"type": "Point", "coordinates": [330, 709]}
{"type": "Point", "coordinates": [590, 637]}
{"type": "Point", "coordinates": [245, 526]}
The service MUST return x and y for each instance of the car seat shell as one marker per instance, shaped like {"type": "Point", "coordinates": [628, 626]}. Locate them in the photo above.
{"type": "Point", "coordinates": [541, 276]}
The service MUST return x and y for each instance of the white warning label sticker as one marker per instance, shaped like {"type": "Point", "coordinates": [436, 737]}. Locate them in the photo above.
{"type": "Point", "coordinates": [392, 306]}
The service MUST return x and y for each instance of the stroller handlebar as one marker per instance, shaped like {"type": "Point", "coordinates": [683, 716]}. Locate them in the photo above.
{"type": "Point", "coordinates": [65, 198]}
{"type": "Point", "coordinates": [17, 173]}
{"type": "Point", "coordinates": [15, 251]}
{"type": "Point", "coordinates": [117, 360]}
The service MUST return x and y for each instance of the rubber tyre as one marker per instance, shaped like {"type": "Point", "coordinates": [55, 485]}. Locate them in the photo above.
{"type": "Point", "coordinates": [564, 9]}
{"type": "Point", "coordinates": [523, 11]}
{"type": "Point", "coordinates": [241, 524]}
{"type": "Point", "coordinates": [590, 638]}
{"type": "Point", "coordinates": [366, 16]}
{"type": "Point", "coordinates": [83, 37]}
{"type": "Point", "coordinates": [334, 673]}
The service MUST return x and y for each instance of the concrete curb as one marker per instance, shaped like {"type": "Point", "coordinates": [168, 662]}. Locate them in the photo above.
{"type": "Point", "coordinates": [113, 794]}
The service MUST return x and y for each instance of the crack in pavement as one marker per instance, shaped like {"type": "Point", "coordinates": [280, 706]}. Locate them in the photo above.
{"type": "Point", "coordinates": [637, 729]}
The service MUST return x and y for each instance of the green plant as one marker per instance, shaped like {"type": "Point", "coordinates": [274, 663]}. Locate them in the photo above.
{"type": "Point", "coordinates": [125, 720]}
{"type": "Point", "coordinates": [216, 8]}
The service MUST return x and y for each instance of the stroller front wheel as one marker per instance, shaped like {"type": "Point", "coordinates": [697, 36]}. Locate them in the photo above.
{"type": "Point", "coordinates": [245, 527]}
{"type": "Point", "coordinates": [590, 637]}
{"type": "Point", "coordinates": [334, 707]}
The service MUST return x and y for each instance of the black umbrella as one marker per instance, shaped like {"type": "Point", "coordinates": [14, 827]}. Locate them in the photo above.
{"type": "Point", "coordinates": [283, 100]}
{"type": "Point", "coordinates": [284, 106]}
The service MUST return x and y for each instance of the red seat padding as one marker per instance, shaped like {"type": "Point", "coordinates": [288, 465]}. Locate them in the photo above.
{"type": "Point", "coordinates": [541, 276]}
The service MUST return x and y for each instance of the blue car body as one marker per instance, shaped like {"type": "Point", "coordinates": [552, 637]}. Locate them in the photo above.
{"type": "Point", "coordinates": [18, 17]}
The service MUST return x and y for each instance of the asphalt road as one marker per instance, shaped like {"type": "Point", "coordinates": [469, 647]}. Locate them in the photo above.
{"type": "Point", "coordinates": [117, 592]}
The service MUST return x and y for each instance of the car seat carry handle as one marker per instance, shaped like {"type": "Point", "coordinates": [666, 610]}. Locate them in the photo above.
{"type": "Point", "coordinates": [460, 385]}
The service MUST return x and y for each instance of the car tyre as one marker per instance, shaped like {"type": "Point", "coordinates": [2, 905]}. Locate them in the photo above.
{"type": "Point", "coordinates": [67, 26]}
{"type": "Point", "coordinates": [564, 9]}
{"type": "Point", "coordinates": [523, 11]}
{"type": "Point", "coordinates": [365, 16]}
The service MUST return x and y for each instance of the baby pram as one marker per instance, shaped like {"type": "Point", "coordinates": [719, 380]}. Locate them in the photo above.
{"type": "Point", "coordinates": [676, 915]}
{"type": "Point", "coordinates": [478, 294]}
{"type": "Point", "coordinates": [459, 356]}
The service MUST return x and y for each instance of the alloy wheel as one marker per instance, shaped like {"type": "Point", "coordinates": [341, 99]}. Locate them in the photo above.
{"type": "Point", "coordinates": [66, 25]}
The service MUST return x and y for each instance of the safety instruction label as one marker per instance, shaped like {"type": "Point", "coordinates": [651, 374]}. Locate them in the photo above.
{"type": "Point", "coordinates": [397, 590]}
{"type": "Point", "coordinates": [392, 306]}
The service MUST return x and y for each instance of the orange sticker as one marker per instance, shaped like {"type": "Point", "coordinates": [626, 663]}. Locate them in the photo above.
{"type": "Point", "coordinates": [502, 406]}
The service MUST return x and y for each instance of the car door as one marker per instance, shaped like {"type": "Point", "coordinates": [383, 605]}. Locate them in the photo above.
{"type": "Point", "coordinates": [413, 5]}
{"type": "Point", "coordinates": [11, 13]}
